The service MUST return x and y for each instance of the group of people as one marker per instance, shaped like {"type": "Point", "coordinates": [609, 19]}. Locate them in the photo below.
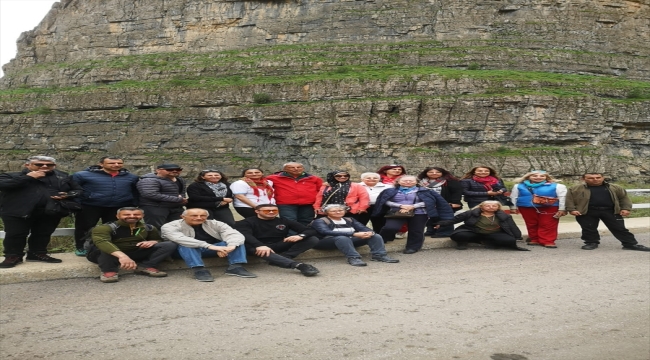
{"type": "Point", "coordinates": [148, 218]}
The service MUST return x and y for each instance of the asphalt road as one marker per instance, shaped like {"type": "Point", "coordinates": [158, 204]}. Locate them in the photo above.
{"type": "Point", "coordinates": [544, 304]}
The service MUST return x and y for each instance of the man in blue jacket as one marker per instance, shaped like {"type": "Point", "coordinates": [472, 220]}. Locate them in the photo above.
{"type": "Point", "coordinates": [107, 188]}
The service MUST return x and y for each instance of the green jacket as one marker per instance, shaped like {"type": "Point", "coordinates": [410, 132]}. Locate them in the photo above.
{"type": "Point", "coordinates": [577, 198]}
{"type": "Point", "coordinates": [124, 238]}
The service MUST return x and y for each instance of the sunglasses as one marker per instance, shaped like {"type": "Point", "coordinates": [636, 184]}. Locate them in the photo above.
{"type": "Point", "coordinates": [341, 175]}
{"type": "Point", "coordinates": [170, 170]}
{"type": "Point", "coordinates": [267, 211]}
{"type": "Point", "coordinates": [44, 165]}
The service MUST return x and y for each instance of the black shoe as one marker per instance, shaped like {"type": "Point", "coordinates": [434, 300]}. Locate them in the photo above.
{"type": "Point", "coordinates": [589, 246]}
{"type": "Point", "coordinates": [461, 247]}
{"type": "Point", "coordinates": [11, 261]}
{"type": "Point", "coordinates": [409, 251]}
{"type": "Point", "coordinates": [42, 258]}
{"type": "Point", "coordinates": [202, 274]}
{"type": "Point", "coordinates": [384, 258]}
{"type": "Point", "coordinates": [438, 236]}
{"type": "Point", "coordinates": [355, 261]}
{"type": "Point", "coordinates": [636, 247]}
{"type": "Point", "coordinates": [307, 269]}
{"type": "Point", "coordinates": [519, 248]}
{"type": "Point", "coordinates": [241, 272]}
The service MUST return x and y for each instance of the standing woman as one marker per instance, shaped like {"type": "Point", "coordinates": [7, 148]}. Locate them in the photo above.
{"type": "Point", "coordinates": [407, 197]}
{"type": "Point", "coordinates": [371, 182]}
{"type": "Point", "coordinates": [211, 191]}
{"type": "Point", "coordinates": [339, 190]}
{"type": "Point", "coordinates": [251, 190]}
{"type": "Point", "coordinates": [486, 224]}
{"type": "Point", "coordinates": [540, 201]}
{"type": "Point", "coordinates": [448, 186]}
{"type": "Point", "coordinates": [481, 184]}
{"type": "Point", "coordinates": [390, 173]}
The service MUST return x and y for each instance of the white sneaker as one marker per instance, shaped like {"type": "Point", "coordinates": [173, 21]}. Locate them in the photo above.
{"type": "Point", "coordinates": [400, 235]}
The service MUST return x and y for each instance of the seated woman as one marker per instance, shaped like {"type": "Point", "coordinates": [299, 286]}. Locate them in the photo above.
{"type": "Point", "coordinates": [407, 197]}
{"type": "Point", "coordinates": [251, 190]}
{"type": "Point", "coordinates": [482, 183]}
{"type": "Point", "coordinates": [211, 191]}
{"type": "Point", "coordinates": [444, 183]}
{"type": "Point", "coordinates": [486, 224]}
{"type": "Point", "coordinates": [339, 190]}
{"type": "Point", "coordinates": [371, 182]}
{"type": "Point", "coordinates": [345, 234]}
{"type": "Point", "coordinates": [541, 218]}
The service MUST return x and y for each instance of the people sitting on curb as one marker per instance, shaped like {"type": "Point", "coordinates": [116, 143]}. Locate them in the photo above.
{"type": "Point", "coordinates": [197, 238]}
{"type": "Point", "coordinates": [267, 236]}
{"type": "Point", "coordinates": [485, 224]}
{"type": "Point", "coordinates": [128, 244]}
{"type": "Point", "coordinates": [346, 234]}
{"type": "Point", "coordinates": [597, 200]}
{"type": "Point", "coordinates": [32, 203]}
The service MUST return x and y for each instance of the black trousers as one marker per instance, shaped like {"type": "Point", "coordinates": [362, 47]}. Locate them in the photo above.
{"type": "Point", "coordinates": [499, 239]}
{"type": "Point", "coordinates": [150, 257]}
{"type": "Point", "coordinates": [614, 222]}
{"type": "Point", "coordinates": [289, 250]}
{"type": "Point", "coordinates": [39, 227]}
{"type": "Point", "coordinates": [222, 214]}
{"type": "Point", "coordinates": [246, 212]}
{"type": "Point", "coordinates": [159, 216]}
{"type": "Point", "coordinates": [415, 236]}
{"type": "Point", "coordinates": [377, 222]}
{"type": "Point", "coordinates": [88, 217]}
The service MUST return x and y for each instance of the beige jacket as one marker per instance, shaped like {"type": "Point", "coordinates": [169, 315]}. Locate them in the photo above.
{"type": "Point", "coordinates": [181, 233]}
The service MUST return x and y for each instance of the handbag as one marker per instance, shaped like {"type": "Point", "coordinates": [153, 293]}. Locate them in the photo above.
{"type": "Point", "coordinates": [397, 214]}
{"type": "Point", "coordinates": [542, 200]}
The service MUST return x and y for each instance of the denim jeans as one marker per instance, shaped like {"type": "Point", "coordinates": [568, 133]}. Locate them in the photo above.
{"type": "Point", "coordinates": [193, 256]}
{"type": "Point", "coordinates": [347, 245]}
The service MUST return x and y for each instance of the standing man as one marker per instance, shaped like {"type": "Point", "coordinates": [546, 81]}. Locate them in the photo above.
{"type": "Point", "coordinates": [121, 244]}
{"type": "Point", "coordinates": [26, 201]}
{"type": "Point", "coordinates": [267, 236]}
{"type": "Point", "coordinates": [107, 187]}
{"type": "Point", "coordinates": [197, 238]}
{"type": "Point", "coordinates": [597, 200]}
{"type": "Point", "coordinates": [295, 192]}
{"type": "Point", "coordinates": [162, 195]}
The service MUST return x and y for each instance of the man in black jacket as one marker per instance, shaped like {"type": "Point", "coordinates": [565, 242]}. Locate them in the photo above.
{"type": "Point", "coordinates": [267, 234]}
{"type": "Point", "coordinates": [162, 195]}
{"type": "Point", "coordinates": [32, 203]}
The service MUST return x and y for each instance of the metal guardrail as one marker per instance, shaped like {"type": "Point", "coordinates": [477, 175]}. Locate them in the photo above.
{"type": "Point", "coordinates": [70, 231]}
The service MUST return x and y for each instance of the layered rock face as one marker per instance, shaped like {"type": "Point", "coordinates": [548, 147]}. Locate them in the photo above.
{"type": "Point", "coordinates": [561, 85]}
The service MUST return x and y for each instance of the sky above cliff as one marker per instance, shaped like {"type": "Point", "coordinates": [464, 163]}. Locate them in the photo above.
{"type": "Point", "coordinates": [16, 17]}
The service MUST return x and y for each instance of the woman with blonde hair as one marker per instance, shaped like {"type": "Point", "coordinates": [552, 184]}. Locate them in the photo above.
{"type": "Point", "coordinates": [539, 199]}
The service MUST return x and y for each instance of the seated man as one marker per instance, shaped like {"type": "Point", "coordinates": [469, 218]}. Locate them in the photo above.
{"type": "Point", "coordinates": [346, 233]}
{"type": "Point", "coordinates": [197, 237]}
{"type": "Point", "coordinates": [266, 235]}
{"type": "Point", "coordinates": [121, 243]}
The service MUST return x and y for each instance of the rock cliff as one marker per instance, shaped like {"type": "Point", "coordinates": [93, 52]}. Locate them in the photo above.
{"type": "Point", "coordinates": [561, 85]}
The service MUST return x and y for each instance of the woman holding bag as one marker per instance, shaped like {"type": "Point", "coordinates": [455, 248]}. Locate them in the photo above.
{"type": "Point", "coordinates": [540, 201]}
{"type": "Point", "coordinates": [340, 190]}
{"type": "Point", "coordinates": [412, 205]}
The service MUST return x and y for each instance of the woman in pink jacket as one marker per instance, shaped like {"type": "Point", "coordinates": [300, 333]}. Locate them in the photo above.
{"type": "Point", "coordinates": [340, 190]}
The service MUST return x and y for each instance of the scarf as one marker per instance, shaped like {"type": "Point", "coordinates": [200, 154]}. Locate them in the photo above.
{"type": "Point", "coordinates": [387, 180]}
{"type": "Point", "coordinates": [405, 190]}
{"type": "Point", "coordinates": [219, 189]}
{"type": "Point", "coordinates": [487, 181]}
{"type": "Point", "coordinates": [534, 185]}
{"type": "Point", "coordinates": [257, 185]}
{"type": "Point", "coordinates": [337, 191]}
{"type": "Point", "coordinates": [435, 185]}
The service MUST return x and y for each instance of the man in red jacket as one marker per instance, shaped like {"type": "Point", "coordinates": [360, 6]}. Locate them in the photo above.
{"type": "Point", "coordinates": [295, 192]}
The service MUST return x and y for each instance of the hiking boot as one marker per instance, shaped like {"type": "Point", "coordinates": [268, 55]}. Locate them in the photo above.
{"type": "Point", "coordinates": [109, 277]}
{"type": "Point", "coordinates": [81, 252]}
{"type": "Point", "coordinates": [203, 275]}
{"type": "Point", "coordinates": [11, 261]}
{"type": "Point", "coordinates": [384, 258]}
{"type": "Point", "coordinates": [42, 258]}
{"type": "Point", "coordinates": [355, 261]}
{"type": "Point", "coordinates": [589, 246]}
{"type": "Point", "coordinates": [241, 272]}
{"type": "Point", "coordinates": [153, 272]}
{"type": "Point", "coordinates": [307, 269]}
{"type": "Point", "coordinates": [636, 247]}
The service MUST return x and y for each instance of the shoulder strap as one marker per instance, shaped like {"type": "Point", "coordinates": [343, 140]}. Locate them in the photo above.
{"type": "Point", "coordinates": [114, 226]}
{"type": "Point", "coordinates": [326, 220]}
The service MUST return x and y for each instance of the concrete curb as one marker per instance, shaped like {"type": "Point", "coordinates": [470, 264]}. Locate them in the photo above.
{"type": "Point", "coordinates": [78, 267]}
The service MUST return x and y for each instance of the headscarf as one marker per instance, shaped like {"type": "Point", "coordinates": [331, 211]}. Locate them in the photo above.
{"type": "Point", "coordinates": [487, 181]}
{"type": "Point", "coordinates": [257, 185]}
{"type": "Point", "coordinates": [337, 191]}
